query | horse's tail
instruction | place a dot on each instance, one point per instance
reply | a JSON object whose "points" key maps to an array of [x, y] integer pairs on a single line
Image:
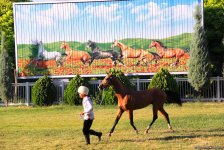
{"points": [[173, 97]]}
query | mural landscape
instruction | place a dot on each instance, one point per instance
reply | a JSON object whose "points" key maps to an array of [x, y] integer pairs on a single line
{"points": [[62, 39]]}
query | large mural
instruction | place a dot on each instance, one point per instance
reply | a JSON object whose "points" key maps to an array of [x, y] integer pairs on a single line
{"points": [[62, 39]]}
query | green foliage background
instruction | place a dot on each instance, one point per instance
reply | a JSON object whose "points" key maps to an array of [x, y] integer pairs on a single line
{"points": [[214, 26], [108, 95], [5, 73], [43, 92], [71, 95], [199, 68], [165, 81]]}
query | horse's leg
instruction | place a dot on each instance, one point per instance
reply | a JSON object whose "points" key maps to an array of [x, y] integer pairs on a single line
{"points": [[119, 59], [120, 112], [176, 62], [165, 114], [91, 61], [83, 61], [130, 112], [145, 61], [138, 63], [114, 61], [155, 116]]}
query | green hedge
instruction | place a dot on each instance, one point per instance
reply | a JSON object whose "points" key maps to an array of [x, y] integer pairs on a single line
{"points": [[165, 81], [108, 95], [71, 95], [43, 92]]}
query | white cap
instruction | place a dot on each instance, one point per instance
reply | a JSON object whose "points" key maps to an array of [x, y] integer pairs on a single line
{"points": [[83, 90]]}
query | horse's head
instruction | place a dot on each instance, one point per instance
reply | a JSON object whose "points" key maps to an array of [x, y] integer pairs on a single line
{"points": [[64, 45], [153, 44], [91, 44], [106, 82], [114, 43]]}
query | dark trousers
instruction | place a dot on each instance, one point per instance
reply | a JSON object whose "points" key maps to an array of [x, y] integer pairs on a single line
{"points": [[87, 131]]}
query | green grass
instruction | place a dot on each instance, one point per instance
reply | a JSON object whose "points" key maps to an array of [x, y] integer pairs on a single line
{"points": [[196, 125]]}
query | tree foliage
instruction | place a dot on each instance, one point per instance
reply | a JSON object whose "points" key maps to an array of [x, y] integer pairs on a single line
{"points": [[124, 79], [107, 96], [214, 25], [71, 95], [199, 68], [43, 92], [165, 81], [5, 73], [7, 25]]}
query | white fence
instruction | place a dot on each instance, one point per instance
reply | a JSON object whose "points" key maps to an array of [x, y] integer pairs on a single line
{"points": [[215, 92]]}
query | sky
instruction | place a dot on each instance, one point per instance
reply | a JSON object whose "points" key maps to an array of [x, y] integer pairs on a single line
{"points": [[52, 21]]}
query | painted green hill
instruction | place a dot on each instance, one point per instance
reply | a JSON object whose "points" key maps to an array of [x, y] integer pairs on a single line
{"points": [[179, 41]]}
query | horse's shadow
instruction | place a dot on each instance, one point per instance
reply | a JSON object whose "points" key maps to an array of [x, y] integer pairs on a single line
{"points": [[189, 135]]}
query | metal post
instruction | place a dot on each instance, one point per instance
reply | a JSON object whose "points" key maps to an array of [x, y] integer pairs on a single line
{"points": [[138, 83], [218, 89], [27, 94], [62, 92]]}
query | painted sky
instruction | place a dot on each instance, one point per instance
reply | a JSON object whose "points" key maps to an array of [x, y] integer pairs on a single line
{"points": [[102, 21]]}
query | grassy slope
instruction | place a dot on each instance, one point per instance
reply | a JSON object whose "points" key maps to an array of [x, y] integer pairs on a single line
{"points": [[59, 127]]}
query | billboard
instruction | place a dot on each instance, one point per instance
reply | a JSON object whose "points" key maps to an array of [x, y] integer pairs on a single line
{"points": [[63, 39]]}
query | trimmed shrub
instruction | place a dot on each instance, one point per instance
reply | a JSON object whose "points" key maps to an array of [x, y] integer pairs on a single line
{"points": [[43, 92], [108, 95], [71, 95], [124, 79], [165, 81]]}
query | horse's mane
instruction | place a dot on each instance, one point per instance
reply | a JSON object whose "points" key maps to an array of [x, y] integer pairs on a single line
{"points": [[161, 44], [127, 89], [93, 46]]}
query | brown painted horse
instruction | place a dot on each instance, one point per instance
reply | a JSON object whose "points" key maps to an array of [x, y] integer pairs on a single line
{"points": [[167, 52], [127, 52], [75, 55], [130, 100]]}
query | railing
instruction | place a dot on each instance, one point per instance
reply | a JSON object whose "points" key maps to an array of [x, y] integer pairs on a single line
{"points": [[215, 92]]}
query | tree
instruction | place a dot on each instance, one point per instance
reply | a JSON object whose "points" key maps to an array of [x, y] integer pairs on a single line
{"points": [[199, 68], [7, 25], [165, 81], [71, 95], [43, 92], [214, 26], [5, 74]]}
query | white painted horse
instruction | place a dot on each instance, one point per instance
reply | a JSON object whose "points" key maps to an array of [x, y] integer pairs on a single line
{"points": [[45, 55]]}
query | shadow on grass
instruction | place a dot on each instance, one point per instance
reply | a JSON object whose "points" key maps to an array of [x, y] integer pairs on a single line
{"points": [[187, 135]]}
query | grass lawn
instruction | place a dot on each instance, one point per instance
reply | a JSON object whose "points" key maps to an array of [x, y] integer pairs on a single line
{"points": [[196, 125]]}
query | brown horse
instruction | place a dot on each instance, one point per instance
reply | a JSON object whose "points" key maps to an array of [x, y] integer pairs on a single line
{"points": [[130, 100], [167, 52], [73, 54], [127, 52]]}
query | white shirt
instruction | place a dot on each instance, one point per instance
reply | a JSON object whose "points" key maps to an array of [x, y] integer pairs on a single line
{"points": [[88, 108]]}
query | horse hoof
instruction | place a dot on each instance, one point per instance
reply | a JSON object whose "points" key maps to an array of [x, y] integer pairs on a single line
{"points": [[146, 131], [109, 134]]}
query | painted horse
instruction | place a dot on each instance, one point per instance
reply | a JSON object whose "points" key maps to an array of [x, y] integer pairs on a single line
{"points": [[167, 52], [130, 100], [45, 55], [100, 54], [83, 56], [127, 52]]}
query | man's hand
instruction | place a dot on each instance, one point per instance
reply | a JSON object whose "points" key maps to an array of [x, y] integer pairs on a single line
{"points": [[82, 113]]}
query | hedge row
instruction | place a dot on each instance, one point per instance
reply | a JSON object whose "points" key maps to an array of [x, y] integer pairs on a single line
{"points": [[44, 91]]}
